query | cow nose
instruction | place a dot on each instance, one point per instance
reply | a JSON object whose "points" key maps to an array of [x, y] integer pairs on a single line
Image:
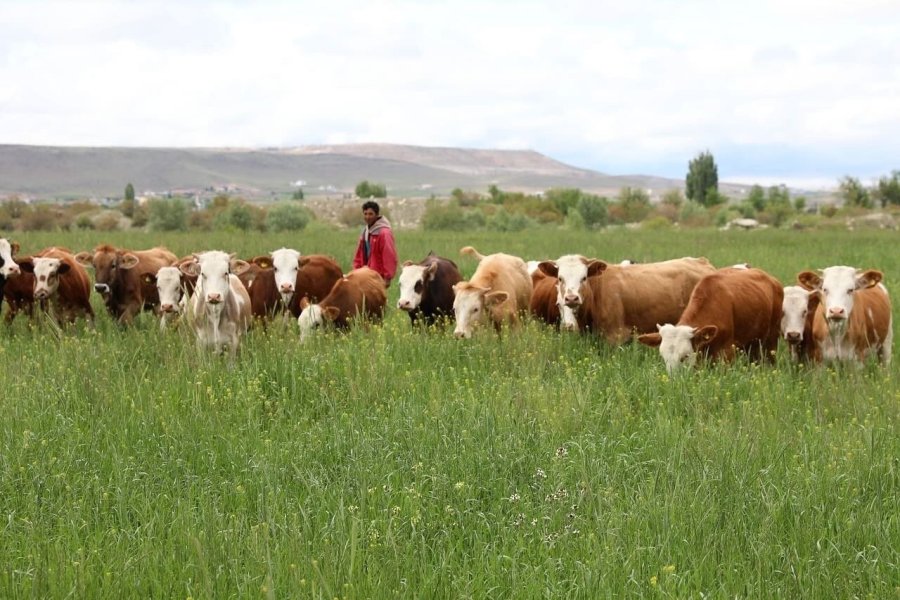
{"points": [[286, 288], [214, 298], [793, 336], [836, 312], [165, 308], [41, 294], [569, 327], [459, 335], [572, 300], [101, 288], [14, 270], [403, 304]]}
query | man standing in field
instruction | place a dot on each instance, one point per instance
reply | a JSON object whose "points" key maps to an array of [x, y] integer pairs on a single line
{"points": [[376, 248]]}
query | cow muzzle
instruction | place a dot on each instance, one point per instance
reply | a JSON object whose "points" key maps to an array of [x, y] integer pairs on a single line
{"points": [[167, 308], [793, 337], [462, 335], [101, 288], [404, 305], [214, 299], [837, 313], [42, 294], [12, 271], [572, 301]]}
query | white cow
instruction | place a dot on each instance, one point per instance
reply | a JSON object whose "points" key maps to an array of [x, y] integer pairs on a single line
{"points": [[173, 295], [220, 306], [857, 312], [8, 267], [286, 263]]}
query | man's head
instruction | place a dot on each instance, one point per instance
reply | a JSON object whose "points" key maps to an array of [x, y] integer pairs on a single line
{"points": [[371, 211]]}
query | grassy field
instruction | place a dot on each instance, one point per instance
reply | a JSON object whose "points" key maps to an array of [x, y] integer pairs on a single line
{"points": [[393, 462]]}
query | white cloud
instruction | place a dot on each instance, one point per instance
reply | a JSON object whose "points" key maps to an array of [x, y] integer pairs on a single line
{"points": [[619, 88]]}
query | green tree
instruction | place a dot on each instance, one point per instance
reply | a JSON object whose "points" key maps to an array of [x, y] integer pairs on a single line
{"points": [[287, 217], [127, 205], [167, 214], [635, 204], [563, 199], [594, 211], [495, 193], [853, 193], [298, 194], [365, 189], [757, 198], [888, 189], [703, 176]]}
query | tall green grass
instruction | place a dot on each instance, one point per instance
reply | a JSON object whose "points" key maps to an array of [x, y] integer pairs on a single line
{"points": [[399, 462]]}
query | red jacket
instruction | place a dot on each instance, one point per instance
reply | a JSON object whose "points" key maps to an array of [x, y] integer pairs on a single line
{"points": [[382, 256]]}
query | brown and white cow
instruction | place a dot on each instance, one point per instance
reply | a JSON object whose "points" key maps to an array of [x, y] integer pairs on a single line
{"points": [[426, 289], [498, 292], [220, 306], [284, 277], [544, 304], [614, 301], [60, 283], [8, 266], [173, 292], [360, 292], [800, 310], [120, 278], [857, 311], [731, 310]]}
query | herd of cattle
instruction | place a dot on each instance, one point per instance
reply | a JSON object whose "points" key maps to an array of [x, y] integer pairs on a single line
{"points": [[685, 307]]}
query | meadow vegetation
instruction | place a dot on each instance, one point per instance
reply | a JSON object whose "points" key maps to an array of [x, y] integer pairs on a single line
{"points": [[398, 462]]}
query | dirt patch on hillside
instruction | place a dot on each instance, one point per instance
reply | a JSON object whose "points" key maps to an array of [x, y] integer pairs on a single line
{"points": [[404, 213]]}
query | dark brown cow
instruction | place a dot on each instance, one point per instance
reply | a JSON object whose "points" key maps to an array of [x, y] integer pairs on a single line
{"points": [[544, 305], [61, 283], [361, 291], [730, 310], [119, 277], [426, 289]]}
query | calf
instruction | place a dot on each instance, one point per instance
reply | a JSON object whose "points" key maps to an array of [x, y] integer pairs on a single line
{"points": [[857, 311], [499, 290], [360, 292], [799, 312], [119, 278], [613, 301], [730, 310], [173, 294], [426, 289], [220, 306], [60, 283]]}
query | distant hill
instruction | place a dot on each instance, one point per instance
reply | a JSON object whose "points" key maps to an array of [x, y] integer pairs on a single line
{"points": [[410, 171]]}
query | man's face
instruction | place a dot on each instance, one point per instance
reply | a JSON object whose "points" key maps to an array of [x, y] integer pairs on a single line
{"points": [[370, 216]]}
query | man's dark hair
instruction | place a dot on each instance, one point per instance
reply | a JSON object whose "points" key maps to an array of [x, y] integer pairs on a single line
{"points": [[373, 205]]}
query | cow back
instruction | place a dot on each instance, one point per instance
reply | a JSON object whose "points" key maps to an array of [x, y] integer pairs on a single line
{"points": [[315, 278], [361, 290], [260, 286], [505, 273], [437, 295]]}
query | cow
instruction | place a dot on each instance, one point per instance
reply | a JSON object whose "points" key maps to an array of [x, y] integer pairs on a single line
{"points": [[284, 277], [60, 284], [613, 301], [360, 292], [730, 310], [426, 289], [544, 304], [119, 278], [8, 266], [799, 312], [220, 306], [173, 294], [499, 290], [857, 311]]}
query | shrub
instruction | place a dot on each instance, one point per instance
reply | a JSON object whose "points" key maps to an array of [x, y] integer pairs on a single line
{"points": [[656, 223], [84, 221], [40, 218], [108, 221], [287, 217], [594, 211], [167, 215], [503, 220]]}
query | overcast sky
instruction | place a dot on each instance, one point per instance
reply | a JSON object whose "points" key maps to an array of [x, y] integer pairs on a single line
{"points": [[779, 91]]}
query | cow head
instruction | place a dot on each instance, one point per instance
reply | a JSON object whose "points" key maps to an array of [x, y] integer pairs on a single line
{"points": [[168, 283], [313, 317], [214, 269], [413, 281], [471, 304], [679, 344], [107, 262], [572, 271], [798, 303], [46, 273], [8, 267], [837, 286], [286, 263]]}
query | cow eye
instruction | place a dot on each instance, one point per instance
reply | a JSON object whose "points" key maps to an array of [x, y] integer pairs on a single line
{"points": [[475, 310], [850, 291]]}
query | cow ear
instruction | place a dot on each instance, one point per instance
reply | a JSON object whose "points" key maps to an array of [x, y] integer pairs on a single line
{"points": [[129, 261], [85, 259], [263, 262], [809, 280], [868, 279], [304, 303], [190, 268], [303, 261], [331, 313], [493, 298], [548, 267], [149, 278], [430, 270], [704, 335], [13, 248], [408, 263], [63, 268], [238, 266], [596, 267], [26, 266], [650, 339]]}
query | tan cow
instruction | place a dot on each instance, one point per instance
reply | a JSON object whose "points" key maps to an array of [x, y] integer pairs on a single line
{"points": [[614, 301], [734, 309], [360, 292], [219, 310], [120, 278], [498, 292], [857, 319]]}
